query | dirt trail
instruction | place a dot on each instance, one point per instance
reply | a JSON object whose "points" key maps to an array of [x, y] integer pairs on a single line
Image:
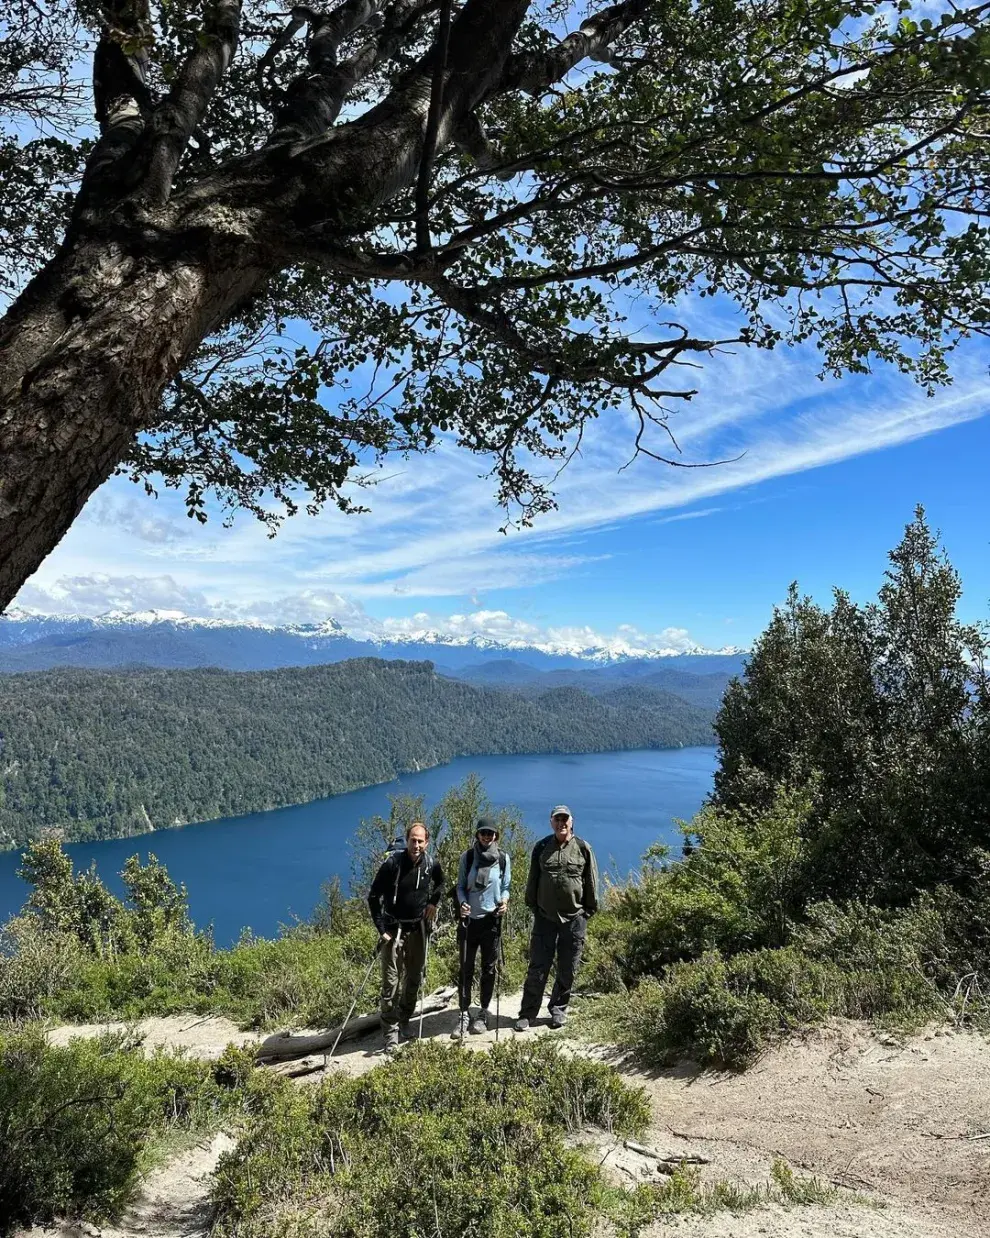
{"points": [[890, 1124], [172, 1202]]}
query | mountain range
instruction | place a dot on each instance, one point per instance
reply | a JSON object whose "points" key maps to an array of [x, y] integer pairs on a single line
{"points": [[171, 640]]}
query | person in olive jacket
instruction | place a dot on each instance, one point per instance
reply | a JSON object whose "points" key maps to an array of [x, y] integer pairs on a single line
{"points": [[562, 892]]}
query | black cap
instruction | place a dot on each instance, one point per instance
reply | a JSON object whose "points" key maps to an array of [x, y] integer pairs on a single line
{"points": [[486, 823]]}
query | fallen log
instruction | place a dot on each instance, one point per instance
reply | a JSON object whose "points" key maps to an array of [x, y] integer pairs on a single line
{"points": [[284, 1046]]}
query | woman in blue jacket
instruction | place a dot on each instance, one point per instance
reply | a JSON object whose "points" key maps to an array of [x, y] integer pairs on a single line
{"points": [[483, 879]]}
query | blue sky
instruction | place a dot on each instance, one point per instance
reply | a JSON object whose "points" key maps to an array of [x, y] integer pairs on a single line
{"points": [[646, 557]]}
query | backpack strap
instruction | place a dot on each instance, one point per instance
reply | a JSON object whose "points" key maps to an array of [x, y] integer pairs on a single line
{"points": [[396, 860]]}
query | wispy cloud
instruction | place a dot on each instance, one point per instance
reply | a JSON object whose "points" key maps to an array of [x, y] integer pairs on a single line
{"points": [[434, 531]]}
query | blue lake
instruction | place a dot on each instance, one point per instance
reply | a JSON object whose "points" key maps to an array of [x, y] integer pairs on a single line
{"points": [[264, 869]]}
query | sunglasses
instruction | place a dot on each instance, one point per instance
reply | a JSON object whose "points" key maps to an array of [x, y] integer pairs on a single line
{"points": [[486, 833]]}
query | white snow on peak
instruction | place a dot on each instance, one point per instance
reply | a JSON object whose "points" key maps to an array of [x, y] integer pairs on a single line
{"points": [[603, 650]]}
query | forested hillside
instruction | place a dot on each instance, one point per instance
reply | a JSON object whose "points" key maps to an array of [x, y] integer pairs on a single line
{"points": [[96, 754], [638, 676]]}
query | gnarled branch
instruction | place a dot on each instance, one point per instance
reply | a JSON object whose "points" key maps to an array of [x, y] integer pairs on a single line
{"points": [[175, 119], [314, 98], [533, 73], [121, 95]]}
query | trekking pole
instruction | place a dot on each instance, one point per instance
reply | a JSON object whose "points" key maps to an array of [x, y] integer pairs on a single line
{"points": [[422, 983], [357, 998], [498, 977], [462, 961]]}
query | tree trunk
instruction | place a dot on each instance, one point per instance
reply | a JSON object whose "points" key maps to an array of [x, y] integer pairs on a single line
{"points": [[85, 355]]}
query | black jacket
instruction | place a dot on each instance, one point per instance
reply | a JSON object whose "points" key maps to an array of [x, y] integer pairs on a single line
{"points": [[402, 890]]}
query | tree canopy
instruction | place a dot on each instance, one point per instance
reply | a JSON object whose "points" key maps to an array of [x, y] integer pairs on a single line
{"points": [[879, 713], [262, 250]]}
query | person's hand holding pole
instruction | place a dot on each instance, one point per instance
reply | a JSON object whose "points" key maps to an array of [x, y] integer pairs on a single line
{"points": [[465, 910], [503, 906], [430, 914]]}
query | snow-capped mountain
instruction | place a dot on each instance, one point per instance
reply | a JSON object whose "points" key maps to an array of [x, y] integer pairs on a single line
{"points": [[30, 641]]}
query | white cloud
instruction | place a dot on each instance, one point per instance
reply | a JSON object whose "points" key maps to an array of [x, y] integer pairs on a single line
{"points": [[98, 593], [500, 626], [128, 515]]}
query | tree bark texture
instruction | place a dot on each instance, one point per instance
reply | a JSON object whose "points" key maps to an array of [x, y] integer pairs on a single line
{"points": [[85, 358]]}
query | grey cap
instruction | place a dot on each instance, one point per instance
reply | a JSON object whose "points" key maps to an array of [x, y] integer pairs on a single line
{"points": [[560, 810]]}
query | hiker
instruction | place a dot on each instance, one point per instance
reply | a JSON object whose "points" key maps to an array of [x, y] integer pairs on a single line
{"points": [[484, 875], [403, 900], [562, 892]]}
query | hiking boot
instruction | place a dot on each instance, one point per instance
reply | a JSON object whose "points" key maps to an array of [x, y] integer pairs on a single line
{"points": [[558, 1018], [521, 1025], [463, 1024], [392, 1040], [406, 1031], [480, 1025]]}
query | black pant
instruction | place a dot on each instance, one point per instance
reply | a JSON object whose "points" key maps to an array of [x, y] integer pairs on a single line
{"points": [[550, 938], [471, 935]]}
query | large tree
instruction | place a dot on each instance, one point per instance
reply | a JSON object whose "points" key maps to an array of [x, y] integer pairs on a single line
{"points": [[462, 201]]}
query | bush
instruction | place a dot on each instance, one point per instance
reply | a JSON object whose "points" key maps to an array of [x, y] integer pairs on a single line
{"points": [[78, 1122], [727, 1011], [737, 888], [36, 965], [386, 1155]]}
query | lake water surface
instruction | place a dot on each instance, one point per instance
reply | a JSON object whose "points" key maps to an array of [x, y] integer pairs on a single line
{"points": [[263, 869]]}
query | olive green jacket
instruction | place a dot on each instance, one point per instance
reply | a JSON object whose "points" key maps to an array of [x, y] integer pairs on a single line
{"points": [[563, 880]]}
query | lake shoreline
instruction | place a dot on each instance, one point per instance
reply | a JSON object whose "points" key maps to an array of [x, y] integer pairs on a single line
{"points": [[56, 831], [266, 869]]}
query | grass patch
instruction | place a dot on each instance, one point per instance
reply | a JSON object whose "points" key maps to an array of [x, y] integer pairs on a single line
{"points": [[685, 1194]]}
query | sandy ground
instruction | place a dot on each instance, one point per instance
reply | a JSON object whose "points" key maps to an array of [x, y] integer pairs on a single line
{"points": [[204, 1038], [890, 1124]]}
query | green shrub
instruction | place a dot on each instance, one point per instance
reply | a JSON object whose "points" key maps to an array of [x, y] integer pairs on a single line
{"points": [[477, 1140], [726, 1011], [36, 965], [737, 888], [78, 1122]]}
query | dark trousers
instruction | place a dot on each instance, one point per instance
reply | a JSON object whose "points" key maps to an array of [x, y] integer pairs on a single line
{"points": [[550, 939], [473, 935]]}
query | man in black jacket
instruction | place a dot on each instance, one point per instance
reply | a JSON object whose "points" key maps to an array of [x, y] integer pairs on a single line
{"points": [[403, 900]]}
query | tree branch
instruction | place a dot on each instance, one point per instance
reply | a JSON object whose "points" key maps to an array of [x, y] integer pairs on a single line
{"points": [[314, 98], [121, 96], [432, 126], [175, 119], [533, 73], [550, 360]]}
